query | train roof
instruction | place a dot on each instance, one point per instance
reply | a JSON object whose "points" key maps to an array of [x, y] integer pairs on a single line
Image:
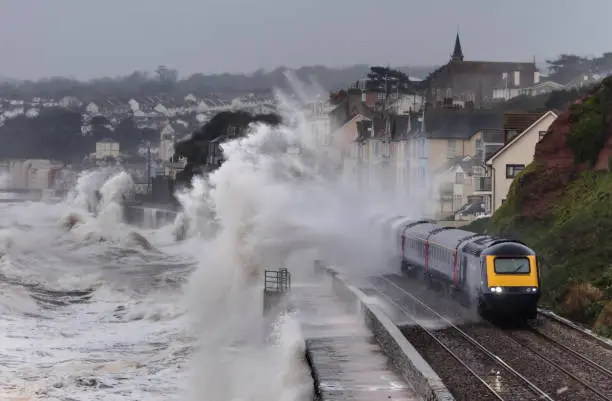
{"points": [[451, 237], [489, 245], [422, 230], [406, 222], [507, 247]]}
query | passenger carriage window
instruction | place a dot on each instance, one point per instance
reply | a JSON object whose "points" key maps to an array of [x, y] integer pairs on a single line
{"points": [[512, 266]]}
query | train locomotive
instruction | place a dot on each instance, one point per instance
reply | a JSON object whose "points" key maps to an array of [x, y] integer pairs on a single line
{"points": [[500, 276]]}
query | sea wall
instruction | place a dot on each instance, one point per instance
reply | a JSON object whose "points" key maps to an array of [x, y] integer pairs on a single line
{"points": [[402, 354], [148, 216]]}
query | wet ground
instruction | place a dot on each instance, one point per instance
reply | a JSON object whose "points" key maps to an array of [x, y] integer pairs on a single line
{"points": [[349, 362]]}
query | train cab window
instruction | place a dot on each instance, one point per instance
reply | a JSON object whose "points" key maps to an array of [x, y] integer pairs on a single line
{"points": [[512, 266]]}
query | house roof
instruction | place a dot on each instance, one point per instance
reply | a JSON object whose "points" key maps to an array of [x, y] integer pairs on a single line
{"points": [[348, 137], [459, 124], [519, 136], [551, 84], [487, 68], [465, 162], [492, 135], [519, 121]]}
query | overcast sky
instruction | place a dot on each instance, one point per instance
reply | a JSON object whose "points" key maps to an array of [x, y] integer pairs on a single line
{"points": [[87, 38]]}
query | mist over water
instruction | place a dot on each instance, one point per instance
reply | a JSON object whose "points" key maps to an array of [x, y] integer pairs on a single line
{"points": [[90, 312]]}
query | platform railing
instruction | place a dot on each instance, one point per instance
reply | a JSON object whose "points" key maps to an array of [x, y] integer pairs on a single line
{"points": [[277, 280]]}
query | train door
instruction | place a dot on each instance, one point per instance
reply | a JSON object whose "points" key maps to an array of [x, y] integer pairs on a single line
{"points": [[463, 261]]}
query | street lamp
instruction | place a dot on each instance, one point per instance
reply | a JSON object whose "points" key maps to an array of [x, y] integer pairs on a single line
{"points": [[148, 145]]}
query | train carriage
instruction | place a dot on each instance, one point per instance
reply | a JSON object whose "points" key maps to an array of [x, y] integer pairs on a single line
{"points": [[413, 239], [446, 264]]}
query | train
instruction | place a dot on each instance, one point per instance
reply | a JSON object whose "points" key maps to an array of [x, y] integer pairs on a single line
{"points": [[499, 276]]}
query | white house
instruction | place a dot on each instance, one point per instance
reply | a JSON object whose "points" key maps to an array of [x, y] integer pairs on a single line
{"points": [[92, 109], [166, 145], [511, 159], [107, 148], [542, 88], [317, 117]]}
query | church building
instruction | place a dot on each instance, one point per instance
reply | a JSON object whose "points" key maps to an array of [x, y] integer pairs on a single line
{"points": [[475, 83]]}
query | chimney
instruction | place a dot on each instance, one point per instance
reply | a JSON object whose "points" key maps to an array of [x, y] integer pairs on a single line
{"points": [[517, 78], [536, 77]]}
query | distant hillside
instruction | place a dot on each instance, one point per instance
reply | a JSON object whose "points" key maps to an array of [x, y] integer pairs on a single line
{"points": [[165, 81]]}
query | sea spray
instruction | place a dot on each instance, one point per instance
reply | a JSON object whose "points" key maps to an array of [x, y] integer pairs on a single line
{"points": [[276, 194]]}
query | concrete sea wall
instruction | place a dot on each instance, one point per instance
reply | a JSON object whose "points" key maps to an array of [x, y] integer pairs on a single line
{"points": [[402, 354], [148, 216]]}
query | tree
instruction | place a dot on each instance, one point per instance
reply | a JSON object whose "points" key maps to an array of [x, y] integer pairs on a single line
{"points": [[166, 81], [387, 80], [54, 134], [195, 149], [567, 67]]}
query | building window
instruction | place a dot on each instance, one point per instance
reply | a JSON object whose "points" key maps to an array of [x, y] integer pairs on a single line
{"points": [[541, 133], [512, 170], [380, 96], [459, 178]]}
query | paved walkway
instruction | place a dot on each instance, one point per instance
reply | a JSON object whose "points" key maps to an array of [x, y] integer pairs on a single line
{"points": [[349, 362]]}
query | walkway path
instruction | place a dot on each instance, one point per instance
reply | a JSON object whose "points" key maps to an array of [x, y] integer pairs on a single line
{"points": [[348, 360]]}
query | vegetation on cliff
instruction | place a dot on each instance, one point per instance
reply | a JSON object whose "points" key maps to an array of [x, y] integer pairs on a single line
{"points": [[561, 206]]}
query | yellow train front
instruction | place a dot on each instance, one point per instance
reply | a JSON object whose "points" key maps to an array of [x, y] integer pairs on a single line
{"points": [[510, 284]]}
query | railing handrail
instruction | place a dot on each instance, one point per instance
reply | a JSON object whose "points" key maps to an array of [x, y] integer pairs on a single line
{"points": [[277, 280]]}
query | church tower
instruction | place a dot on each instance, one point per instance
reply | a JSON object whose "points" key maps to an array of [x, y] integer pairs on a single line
{"points": [[457, 55]]}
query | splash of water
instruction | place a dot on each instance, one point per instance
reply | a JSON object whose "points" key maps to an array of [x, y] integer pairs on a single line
{"points": [[5, 180], [83, 195], [276, 194]]}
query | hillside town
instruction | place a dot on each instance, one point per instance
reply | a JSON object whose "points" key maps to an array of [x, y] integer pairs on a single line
{"points": [[446, 132]]}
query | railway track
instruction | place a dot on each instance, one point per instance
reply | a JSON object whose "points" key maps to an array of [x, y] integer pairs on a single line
{"points": [[575, 337], [479, 371], [490, 361], [597, 377]]}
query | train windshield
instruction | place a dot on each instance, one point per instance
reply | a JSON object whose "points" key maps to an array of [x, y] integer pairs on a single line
{"points": [[512, 265]]}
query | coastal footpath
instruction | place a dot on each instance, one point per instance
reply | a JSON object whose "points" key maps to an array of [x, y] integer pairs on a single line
{"points": [[561, 206]]}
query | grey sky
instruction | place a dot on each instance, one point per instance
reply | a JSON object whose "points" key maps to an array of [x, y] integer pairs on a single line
{"points": [[87, 38]]}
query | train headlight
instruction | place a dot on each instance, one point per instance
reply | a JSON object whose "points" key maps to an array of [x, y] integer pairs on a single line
{"points": [[496, 289]]}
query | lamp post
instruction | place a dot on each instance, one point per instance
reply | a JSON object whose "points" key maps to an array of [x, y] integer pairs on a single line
{"points": [[148, 145]]}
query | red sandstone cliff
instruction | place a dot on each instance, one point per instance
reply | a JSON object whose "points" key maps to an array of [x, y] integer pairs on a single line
{"points": [[554, 164]]}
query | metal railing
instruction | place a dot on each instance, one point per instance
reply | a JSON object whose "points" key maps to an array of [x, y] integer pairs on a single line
{"points": [[277, 280]]}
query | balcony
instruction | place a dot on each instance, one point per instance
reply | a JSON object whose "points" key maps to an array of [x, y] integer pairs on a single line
{"points": [[483, 184]]}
